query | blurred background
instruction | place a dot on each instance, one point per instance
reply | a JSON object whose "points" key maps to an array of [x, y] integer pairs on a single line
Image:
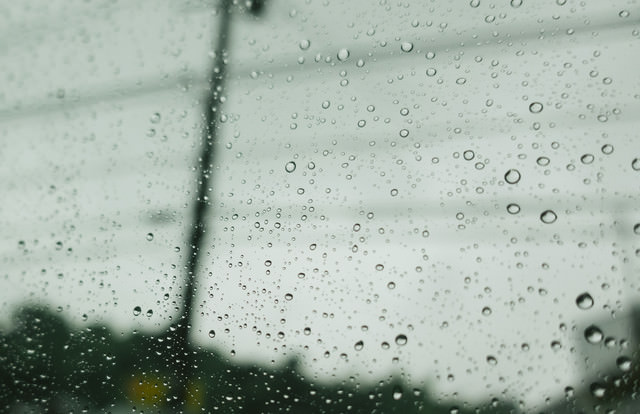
{"points": [[320, 206]]}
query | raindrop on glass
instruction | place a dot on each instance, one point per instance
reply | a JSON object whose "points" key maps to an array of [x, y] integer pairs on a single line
{"points": [[212, 334], [406, 46], [593, 334], [401, 340], [535, 107], [584, 301], [304, 44], [513, 208], [512, 176], [137, 311], [343, 54], [548, 216], [290, 167], [624, 363]]}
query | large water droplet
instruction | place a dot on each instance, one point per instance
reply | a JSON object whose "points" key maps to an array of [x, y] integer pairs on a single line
{"points": [[137, 311], [593, 334], [535, 107], [358, 346], [290, 167], [491, 360], [512, 176], [584, 301], [548, 216], [212, 334]]}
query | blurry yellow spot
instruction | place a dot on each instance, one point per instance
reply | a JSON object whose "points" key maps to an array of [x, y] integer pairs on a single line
{"points": [[146, 390]]}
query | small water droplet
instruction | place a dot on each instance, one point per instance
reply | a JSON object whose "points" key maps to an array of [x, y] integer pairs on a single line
{"points": [[401, 340], [543, 161], [635, 164], [358, 346], [155, 118], [149, 236], [512, 176], [397, 393], [593, 334], [288, 296], [474, 3], [636, 229], [597, 390], [431, 72], [343, 54], [137, 311], [468, 155], [513, 208], [394, 192], [535, 107], [212, 334], [587, 158], [486, 311], [304, 44], [548, 216], [149, 313], [516, 3], [584, 301], [379, 267], [607, 149], [290, 167], [406, 46], [391, 285], [491, 360], [624, 363]]}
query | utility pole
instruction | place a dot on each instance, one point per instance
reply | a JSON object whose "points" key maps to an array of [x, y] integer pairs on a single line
{"points": [[182, 356]]}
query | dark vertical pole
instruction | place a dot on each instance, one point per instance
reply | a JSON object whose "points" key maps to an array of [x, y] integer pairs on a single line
{"points": [[182, 356]]}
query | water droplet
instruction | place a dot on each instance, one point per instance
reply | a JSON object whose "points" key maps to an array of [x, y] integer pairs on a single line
{"points": [[597, 390], [636, 229], [624, 363], [607, 149], [155, 118], [535, 107], [474, 3], [212, 334], [379, 267], [288, 296], [587, 158], [397, 393], [491, 360], [149, 313], [343, 54], [401, 340], [290, 167], [406, 46], [468, 155], [391, 285], [512, 176], [584, 301], [307, 331], [149, 236], [486, 311], [394, 192], [137, 311], [593, 334], [304, 44], [431, 72], [516, 3], [358, 346], [556, 345], [635, 164], [513, 208], [543, 161], [548, 216], [301, 275]]}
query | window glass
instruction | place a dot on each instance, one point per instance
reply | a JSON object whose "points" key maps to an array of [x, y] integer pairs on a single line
{"points": [[408, 206]]}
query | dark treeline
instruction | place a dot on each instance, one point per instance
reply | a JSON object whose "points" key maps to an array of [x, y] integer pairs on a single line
{"points": [[46, 366]]}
